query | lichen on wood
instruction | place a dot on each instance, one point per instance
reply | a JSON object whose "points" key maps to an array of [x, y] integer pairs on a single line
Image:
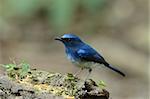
{"points": [[37, 84]]}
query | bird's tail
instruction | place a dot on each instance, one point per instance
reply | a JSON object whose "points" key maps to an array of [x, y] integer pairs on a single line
{"points": [[114, 69]]}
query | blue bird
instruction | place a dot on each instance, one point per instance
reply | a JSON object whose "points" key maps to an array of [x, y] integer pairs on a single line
{"points": [[83, 55]]}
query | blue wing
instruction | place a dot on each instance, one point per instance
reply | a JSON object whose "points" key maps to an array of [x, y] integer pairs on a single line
{"points": [[86, 53]]}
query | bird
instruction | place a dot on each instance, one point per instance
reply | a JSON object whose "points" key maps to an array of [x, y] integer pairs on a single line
{"points": [[83, 55]]}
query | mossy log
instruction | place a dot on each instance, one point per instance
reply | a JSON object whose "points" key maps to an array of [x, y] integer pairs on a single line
{"points": [[44, 85]]}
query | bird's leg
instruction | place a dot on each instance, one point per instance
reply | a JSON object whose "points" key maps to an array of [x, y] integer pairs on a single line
{"points": [[78, 72], [90, 70], [82, 84]]}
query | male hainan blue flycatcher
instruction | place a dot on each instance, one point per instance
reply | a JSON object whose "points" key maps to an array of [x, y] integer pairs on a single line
{"points": [[83, 55]]}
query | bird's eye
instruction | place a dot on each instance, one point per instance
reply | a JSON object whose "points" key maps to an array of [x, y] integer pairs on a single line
{"points": [[68, 39]]}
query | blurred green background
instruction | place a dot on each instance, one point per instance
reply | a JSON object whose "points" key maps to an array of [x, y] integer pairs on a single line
{"points": [[116, 28]]}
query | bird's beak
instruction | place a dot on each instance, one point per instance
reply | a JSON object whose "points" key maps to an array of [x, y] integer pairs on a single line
{"points": [[59, 39]]}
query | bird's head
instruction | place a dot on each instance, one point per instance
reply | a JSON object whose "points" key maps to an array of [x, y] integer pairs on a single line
{"points": [[70, 40]]}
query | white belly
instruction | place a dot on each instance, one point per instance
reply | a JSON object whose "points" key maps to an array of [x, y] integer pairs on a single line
{"points": [[86, 65], [79, 63]]}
